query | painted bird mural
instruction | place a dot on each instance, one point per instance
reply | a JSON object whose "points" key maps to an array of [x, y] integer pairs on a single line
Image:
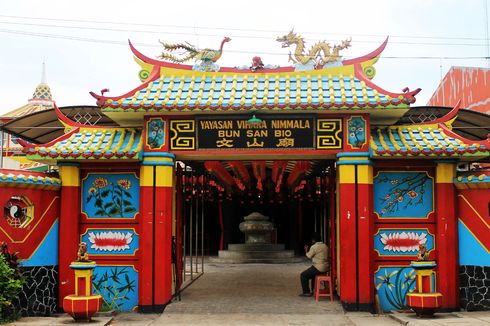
{"points": [[191, 52]]}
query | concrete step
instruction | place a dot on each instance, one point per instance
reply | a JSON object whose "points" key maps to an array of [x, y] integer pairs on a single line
{"points": [[256, 254], [255, 246], [218, 260]]}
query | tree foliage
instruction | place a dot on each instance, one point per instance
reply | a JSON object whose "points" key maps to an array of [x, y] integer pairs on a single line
{"points": [[10, 286]]}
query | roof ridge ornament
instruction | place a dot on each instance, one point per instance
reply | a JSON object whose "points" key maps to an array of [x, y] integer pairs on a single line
{"points": [[205, 58], [448, 119], [319, 56]]}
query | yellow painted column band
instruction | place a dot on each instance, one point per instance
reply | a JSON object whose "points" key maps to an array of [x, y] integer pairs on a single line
{"points": [[164, 176], [346, 173], [445, 172], [163, 166], [146, 176], [70, 176], [365, 174], [346, 167]]}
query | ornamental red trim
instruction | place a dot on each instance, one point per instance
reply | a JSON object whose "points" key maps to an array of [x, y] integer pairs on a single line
{"points": [[359, 73], [368, 56], [101, 100]]}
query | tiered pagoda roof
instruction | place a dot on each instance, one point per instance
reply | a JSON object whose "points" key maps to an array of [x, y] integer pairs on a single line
{"points": [[28, 179], [89, 144], [425, 140], [176, 88], [477, 180], [433, 139], [83, 142]]}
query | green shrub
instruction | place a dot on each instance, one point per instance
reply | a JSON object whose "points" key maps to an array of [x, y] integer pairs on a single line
{"points": [[10, 286]]}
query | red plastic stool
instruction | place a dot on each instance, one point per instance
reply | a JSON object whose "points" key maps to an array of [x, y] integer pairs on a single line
{"points": [[327, 283]]}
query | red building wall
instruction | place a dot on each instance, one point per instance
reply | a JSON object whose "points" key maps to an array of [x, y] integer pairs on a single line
{"points": [[471, 85], [29, 225], [473, 219]]}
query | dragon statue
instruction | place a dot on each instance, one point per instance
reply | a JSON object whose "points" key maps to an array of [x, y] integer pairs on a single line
{"points": [[320, 53], [191, 52]]}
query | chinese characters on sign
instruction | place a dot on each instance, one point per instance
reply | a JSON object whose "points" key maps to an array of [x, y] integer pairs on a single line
{"points": [[268, 132]]}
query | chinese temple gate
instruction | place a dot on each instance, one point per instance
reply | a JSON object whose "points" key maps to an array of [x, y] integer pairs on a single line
{"points": [[318, 139]]}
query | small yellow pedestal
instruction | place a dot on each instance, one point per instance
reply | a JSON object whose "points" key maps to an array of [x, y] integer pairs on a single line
{"points": [[424, 301], [83, 304]]}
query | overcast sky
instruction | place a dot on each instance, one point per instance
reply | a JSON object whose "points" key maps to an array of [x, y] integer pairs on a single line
{"points": [[84, 43]]}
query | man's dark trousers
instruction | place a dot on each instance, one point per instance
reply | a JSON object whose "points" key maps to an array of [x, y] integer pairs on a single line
{"points": [[308, 275]]}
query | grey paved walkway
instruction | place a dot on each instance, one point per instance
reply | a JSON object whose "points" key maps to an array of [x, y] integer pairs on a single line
{"points": [[251, 294], [61, 320], [259, 294], [454, 319]]}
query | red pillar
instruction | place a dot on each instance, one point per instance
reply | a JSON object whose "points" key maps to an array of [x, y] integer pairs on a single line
{"points": [[145, 284], [69, 226], [447, 236], [163, 234], [156, 192], [355, 238], [365, 235]]}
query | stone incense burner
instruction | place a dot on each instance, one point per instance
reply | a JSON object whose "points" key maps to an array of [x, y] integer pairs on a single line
{"points": [[257, 228]]}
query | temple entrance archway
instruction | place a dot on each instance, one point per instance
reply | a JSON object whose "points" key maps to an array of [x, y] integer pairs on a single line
{"points": [[212, 197]]}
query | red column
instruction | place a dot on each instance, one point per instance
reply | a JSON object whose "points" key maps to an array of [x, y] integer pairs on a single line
{"points": [[69, 226], [155, 277], [346, 243], [145, 284], [355, 237], [163, 235], [365, 227], [447, 236]]}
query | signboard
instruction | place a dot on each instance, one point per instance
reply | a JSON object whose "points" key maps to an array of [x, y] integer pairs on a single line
{"points": [[271, 132], [280, 132]]}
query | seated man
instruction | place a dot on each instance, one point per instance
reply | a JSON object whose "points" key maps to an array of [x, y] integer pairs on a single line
{"points": [[318, 253]]}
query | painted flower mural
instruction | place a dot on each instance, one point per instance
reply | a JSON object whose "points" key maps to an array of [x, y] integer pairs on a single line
{"points": [[110, 241], [393, 284], [124, 183], [357, 131], [107, 242], [403, 241], [155, 133], [118, 286], [403, 194], [111, 195]]}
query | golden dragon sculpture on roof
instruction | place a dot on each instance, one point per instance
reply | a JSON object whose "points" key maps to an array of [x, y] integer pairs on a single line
{"points": [[320, 54]]}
